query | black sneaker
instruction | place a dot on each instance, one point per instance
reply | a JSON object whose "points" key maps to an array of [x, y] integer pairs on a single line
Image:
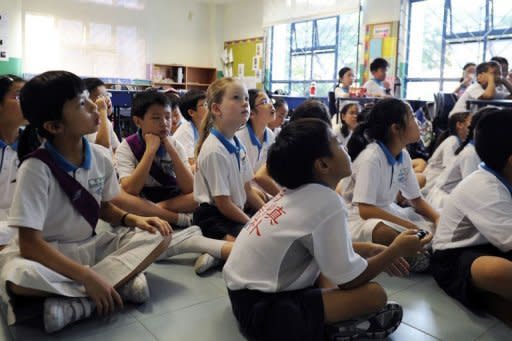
{"points": [[378, 325]]}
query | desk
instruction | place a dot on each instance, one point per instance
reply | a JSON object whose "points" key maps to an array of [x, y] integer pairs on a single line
{"points": [[502, 103]]}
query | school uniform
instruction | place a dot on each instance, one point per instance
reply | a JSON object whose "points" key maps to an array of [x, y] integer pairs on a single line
{"points": [[114, 141], [375, 88], [41, 204], [223, 168], [187, 135], [443, 157], [277, 257], [476, 221], [474, 91], [465, 163], [341, 92], [155, 191], [256, 151], [8, 168], [376, 179], [337, 131]]}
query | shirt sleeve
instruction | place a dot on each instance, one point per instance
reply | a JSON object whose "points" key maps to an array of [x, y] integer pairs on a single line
{"points": [[184, 136], [475, 91], [213, 168], [469, 164], [368, 181], [114, 141], [111, 186], [333, 251], [409, 186], [124, 160], [30, 203], [181, 153], [493, 218]]}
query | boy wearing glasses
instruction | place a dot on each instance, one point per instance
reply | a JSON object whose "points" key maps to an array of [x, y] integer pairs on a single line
{"points": [[193, 107], [105, 136]]}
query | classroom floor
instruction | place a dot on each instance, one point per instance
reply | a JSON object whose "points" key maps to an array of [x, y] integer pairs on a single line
{"points": [[187, 307]]}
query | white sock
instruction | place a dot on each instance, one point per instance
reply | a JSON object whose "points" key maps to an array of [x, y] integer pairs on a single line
{"points": [[184, 219], [189, 240]]}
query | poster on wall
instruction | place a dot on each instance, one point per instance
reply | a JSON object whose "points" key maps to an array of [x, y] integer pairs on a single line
{"points": [[3, 37]]}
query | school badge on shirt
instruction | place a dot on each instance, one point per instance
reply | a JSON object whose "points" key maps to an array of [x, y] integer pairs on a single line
{"points": [[96, 185], [402, 175]]}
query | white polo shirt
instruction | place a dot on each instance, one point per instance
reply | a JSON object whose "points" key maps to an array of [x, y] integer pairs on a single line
{"points": [[114, 141], [8, 168], [292, 238], [187, 135], [221, 172], [40, 203], [256, 151], [478, 211], [337, 131], [374, 88], [443, 156], [474, 91], [126, 162], [464, 164], [377, 177]]}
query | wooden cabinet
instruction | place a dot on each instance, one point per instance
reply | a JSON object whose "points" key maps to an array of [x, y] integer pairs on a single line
{"points": [[181, 76]]}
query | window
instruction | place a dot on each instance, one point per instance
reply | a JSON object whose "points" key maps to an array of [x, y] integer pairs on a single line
{"points": [[312, 50], [443, 35]]}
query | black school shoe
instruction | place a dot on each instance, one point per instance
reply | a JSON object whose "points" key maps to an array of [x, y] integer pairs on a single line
{"points": [[378, 325]]}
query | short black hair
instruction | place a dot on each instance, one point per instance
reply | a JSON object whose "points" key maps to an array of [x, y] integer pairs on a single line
{"points": [[312, 108], [467, 65], [143, 100], [189, 102], [92, 83], [6, 81], [291, 158], [485, 66], [499, 60], [279, 102], [174, 99], [492, 138], [378, 63]]}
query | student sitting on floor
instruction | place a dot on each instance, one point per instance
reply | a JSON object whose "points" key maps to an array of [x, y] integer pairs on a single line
{"points": [[349, 121], [293, 270], [472, 260], [11, 119], [105, 135], [63, 188], [222, 182], [153, 165], [382, 168], [310, 108], [466, 162], [448, 142], [255, 135], [193, 107], [281, 108]]}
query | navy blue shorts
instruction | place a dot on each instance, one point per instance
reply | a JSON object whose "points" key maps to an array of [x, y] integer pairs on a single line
{"points": [[214, 224], [452, 272], [288, 315]]}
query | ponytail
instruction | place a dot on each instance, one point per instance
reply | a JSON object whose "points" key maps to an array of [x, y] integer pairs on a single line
{"points": [[28, 141], [358, 141], [204, 131]]}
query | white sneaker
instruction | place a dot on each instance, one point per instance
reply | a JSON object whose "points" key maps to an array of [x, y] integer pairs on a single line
{"points": [[205, 262], [59, 312], [135, 290], [178, 238]]}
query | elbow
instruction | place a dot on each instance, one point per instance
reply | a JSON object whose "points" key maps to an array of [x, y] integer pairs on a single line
{"points": [[128, 188], [364, 211]]}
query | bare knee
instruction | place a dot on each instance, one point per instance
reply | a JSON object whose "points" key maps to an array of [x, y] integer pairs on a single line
{"points": [[377, 295], [383, 234], [487, 272]]}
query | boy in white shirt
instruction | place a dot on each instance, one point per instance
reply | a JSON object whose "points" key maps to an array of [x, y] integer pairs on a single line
{"points": [[105, 135], [152, 164], [378, 86], [193, 107], [472, 259], [284, 257], [488, 76]]}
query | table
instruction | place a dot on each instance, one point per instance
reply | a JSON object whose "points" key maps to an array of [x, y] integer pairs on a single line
{"points": [[502, 103]]}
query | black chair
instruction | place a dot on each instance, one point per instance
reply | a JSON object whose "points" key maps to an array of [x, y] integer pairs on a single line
{"points": [[332, 103], [443, 104]]}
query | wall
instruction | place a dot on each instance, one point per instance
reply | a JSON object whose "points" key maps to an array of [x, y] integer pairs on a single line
{"points": [[243, 19], [12, 8]]}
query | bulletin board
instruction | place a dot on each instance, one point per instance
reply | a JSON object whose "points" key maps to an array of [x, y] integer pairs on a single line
{"points": [[381, 40], [244, 59]]}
